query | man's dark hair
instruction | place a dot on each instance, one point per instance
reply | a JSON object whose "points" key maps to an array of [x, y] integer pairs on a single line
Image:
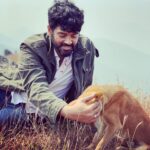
{"points": [[66, 15]]}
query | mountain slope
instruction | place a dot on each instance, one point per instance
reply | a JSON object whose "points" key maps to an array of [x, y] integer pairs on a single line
{"points": [[121, 63]]}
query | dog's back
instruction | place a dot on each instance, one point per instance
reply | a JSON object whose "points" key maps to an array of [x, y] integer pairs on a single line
{"points": [[137, 121]]}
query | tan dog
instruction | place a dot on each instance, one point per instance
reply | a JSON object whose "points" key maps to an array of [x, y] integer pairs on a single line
{"points": [[120, 110]]}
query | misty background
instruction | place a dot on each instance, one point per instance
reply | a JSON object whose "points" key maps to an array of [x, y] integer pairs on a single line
{"points": [[120, 29]]}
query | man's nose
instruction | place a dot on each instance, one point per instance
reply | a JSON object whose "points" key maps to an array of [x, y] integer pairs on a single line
{"points": [[68, 41]]}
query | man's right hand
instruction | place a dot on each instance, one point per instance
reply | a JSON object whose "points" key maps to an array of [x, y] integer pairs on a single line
{"points": [[80, 111]]}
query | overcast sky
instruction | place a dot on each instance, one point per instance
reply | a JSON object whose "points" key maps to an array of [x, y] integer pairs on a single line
{"points": [[126, 22]]}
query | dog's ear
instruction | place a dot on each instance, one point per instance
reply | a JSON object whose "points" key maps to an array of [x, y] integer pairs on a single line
{"points": [[104, 99]]}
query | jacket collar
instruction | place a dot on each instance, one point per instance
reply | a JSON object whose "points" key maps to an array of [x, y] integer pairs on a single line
{"points": [[80, 51], [50, 52]]}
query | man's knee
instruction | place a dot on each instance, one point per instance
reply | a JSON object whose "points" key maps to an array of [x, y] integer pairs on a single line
{"points": [[12, 116]]}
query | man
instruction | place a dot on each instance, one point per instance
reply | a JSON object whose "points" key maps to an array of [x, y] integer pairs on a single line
{"points": [[55, 67]]}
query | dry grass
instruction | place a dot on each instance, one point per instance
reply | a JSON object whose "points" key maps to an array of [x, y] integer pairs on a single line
{"points": [[65, 136]]}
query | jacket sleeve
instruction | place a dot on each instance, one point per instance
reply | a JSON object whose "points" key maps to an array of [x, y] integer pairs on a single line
{"points": [[8, 76], [35, 84]]}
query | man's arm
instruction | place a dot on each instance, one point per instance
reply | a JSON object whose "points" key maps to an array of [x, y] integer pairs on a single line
{"points": [[35, 83]]}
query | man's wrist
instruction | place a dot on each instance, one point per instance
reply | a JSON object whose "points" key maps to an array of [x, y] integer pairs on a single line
{"points": [[64, 112]]}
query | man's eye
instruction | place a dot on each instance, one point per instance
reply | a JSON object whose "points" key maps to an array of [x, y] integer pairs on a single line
{"points": [[62, 36], [74, 36]]}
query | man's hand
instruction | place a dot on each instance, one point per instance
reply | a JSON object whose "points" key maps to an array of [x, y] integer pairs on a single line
{"points": [[80, 111]]}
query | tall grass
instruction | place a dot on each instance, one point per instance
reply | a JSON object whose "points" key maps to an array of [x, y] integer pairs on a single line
{"points": [[66, 135]]}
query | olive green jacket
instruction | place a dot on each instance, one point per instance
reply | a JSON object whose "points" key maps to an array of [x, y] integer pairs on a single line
{"points": [[37, 69]]}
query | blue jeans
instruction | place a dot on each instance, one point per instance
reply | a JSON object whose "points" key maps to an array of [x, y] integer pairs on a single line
{"points": [[11, 116]]}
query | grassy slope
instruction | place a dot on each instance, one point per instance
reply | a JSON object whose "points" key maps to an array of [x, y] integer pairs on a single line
{"points": [[66, 136]]}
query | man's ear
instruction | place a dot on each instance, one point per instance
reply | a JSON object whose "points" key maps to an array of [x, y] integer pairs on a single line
{"points": [[49, 30]]}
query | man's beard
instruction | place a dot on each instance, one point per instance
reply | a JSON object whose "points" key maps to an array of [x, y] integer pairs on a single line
{"points": [[63, 49], [64, 52]]}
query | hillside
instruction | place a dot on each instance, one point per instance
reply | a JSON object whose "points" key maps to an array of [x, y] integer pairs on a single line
{"points": [[121, 63], [7, 43]]}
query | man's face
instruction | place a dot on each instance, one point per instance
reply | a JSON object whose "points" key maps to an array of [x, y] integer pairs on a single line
{"points": [[64, 42]]}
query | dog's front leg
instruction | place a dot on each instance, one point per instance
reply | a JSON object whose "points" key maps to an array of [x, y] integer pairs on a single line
{"points": [[99, 124], [109, 132]]}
